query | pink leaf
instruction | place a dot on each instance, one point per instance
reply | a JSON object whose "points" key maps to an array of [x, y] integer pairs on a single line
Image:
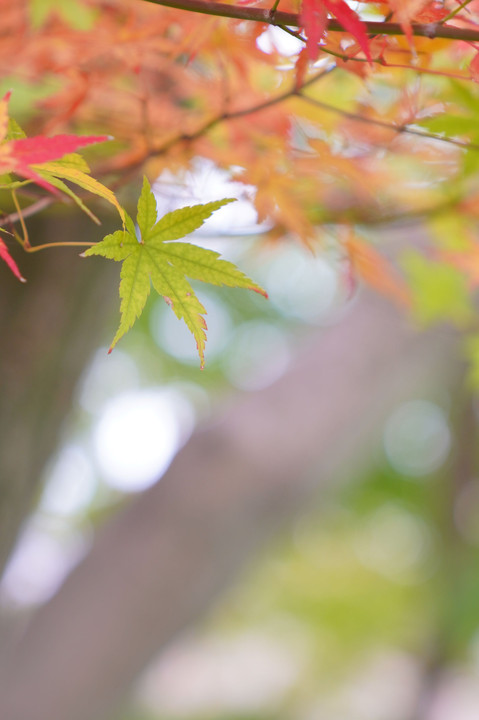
{"points": [[5, 255], [17, 155], [40, 149], [314, 18]]}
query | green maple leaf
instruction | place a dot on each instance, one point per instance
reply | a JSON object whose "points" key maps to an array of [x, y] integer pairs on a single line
{"points": [[155, 259]]}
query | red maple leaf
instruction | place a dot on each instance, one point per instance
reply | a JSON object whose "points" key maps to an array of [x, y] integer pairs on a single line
{"points": [[314, 21], [314, 18], [25, 156], [19, 155]]}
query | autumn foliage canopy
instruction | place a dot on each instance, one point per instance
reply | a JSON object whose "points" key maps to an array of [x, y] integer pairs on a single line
{"points": [[340, 119]]}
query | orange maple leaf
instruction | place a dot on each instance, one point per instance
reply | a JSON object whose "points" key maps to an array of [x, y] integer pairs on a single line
{"points": [[376, 270]]}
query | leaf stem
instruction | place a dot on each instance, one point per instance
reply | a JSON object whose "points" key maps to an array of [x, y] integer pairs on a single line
{"points": [[36, 248], [272, 11], [25, 242]]}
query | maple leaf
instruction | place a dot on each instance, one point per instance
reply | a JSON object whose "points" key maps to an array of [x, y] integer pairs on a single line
{"points": [[408, 11], [27, 157], [156, 259], [48, 161], [376, 270], [73, 167], [314, 21], [314, 18]]}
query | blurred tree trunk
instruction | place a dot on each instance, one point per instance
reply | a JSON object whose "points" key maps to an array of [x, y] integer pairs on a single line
{"points": [[159, 564], [49, 327]]}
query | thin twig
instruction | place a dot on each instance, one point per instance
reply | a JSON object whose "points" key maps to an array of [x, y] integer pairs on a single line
{"points": [[454, 12], [217, 120], [400, 129], [32, 209], [166, 146]]}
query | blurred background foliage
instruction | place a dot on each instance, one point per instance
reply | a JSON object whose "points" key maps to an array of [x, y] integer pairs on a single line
{"points": [[365, 605], [364, 608]]}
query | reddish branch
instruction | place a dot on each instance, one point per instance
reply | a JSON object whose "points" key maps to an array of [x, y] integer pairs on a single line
{"points": [[113, 165]]}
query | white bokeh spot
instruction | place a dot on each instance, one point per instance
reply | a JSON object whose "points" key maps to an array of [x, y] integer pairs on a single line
{"points": [[137, 435], [417, 438]]}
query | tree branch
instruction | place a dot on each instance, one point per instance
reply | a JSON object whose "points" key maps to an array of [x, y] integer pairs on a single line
{"points": [[32, 209], [399, 129], [278, 18]]}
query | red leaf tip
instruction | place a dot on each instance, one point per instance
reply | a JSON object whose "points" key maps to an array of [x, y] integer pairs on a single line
{"points": [[260, 291], [7, 258]]}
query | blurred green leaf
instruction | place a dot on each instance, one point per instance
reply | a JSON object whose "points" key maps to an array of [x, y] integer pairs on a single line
{"points": [[439, 291]]}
